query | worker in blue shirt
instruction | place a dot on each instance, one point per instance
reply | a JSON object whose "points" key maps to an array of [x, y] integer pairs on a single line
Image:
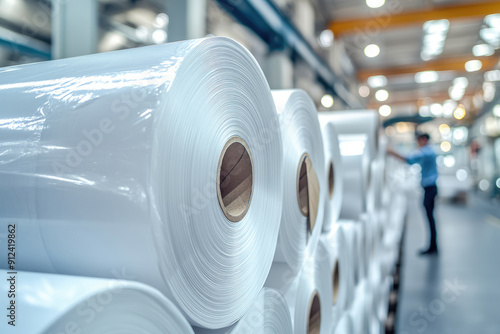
{"points": [[426, 158]]}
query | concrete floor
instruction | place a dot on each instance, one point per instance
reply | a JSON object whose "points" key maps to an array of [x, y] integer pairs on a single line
{"points": [[459, 290]]}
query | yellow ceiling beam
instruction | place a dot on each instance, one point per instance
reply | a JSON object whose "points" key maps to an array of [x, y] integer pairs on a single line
{"points": [[444, 64], [392, 16]]}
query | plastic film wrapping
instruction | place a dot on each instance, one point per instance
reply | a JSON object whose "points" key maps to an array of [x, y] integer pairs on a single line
{"points": [[355, 122], [356, 167], [308, 293], [350, 231], [358, 310], [269, 314], [303, 174], [48, 303], [333, 172], [124, 161], [337, 248], [345, 325]]}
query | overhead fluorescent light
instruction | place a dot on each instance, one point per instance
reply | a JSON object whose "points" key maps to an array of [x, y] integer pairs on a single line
{"points": [[327, 101], [375, 3], [482, 50], [493, 75], [473, 65], [424, 111], [372, 50], [384, 110], [461, 82], [434, 38], [382, 95], [426, 77], [377, 81], [436, 26], [325, 38]]}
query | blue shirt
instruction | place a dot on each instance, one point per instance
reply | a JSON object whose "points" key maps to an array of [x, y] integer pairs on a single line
{"points": [[426, 158]]}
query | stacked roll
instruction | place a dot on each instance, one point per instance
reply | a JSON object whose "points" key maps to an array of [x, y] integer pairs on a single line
{"points": [[353, 122], [268, 315], [336, 246], [304, 190], [167, 167], [308, 294], [334, 172], [345, 325], [48, 303]]}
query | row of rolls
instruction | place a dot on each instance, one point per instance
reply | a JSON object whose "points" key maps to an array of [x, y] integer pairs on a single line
{"points": [[167, 189]]}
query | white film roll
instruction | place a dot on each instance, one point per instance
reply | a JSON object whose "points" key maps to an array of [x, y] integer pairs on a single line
{"points": [[308, 294], [356, 173], [48, 303], [333, 172], [269, 314], [355, 122], [350, 231], [358, 310], [345, 325], [362, 249], [163, 162], [337, 247], [303, 172]]}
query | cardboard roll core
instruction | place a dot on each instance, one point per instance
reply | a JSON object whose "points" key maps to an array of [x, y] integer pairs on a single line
{"points": [[235, 179], [331, 179], [303, 194], [314, 320], [307, 190], [335, 282]]}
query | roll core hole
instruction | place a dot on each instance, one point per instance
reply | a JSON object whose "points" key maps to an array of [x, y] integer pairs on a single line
{"points": [[235, 179], [335, 282], [303, 194], [331, 179], [314, 321]]}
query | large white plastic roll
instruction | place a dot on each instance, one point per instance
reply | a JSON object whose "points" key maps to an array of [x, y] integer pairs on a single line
{"points": [[360, 318], [356, 173], [345, 325], [308, 294], [163, 162], [303, 173], [48, 303], [333, 172], [350, 231], [269, 314], [355, 122], [337, 247]]}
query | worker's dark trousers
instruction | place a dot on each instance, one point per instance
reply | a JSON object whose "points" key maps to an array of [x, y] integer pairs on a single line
{"points": [[430, 194]]}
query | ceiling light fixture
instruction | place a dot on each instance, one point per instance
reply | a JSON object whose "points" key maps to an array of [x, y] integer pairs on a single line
{"points": [[436, 110], [382, 95], [325, 39], [445, 146], [434, 38], [377, 81], [384, 110], [482, 50], [426, 77], [493, 75], [375, 3], [159, 36], [473, 65], [372, 50], [327, 101], [460, 112], [496, 110]]}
